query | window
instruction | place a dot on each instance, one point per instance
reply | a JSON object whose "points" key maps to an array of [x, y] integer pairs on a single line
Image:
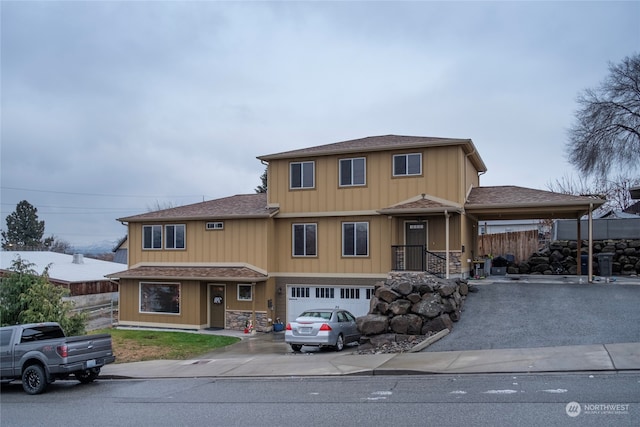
{"points": [[407, 164], [299, 292], [350, 293], [304, 240], [355, 239], [174, 236], [301, 175], [38, 333], [215, 225], [352, 172], [160, 298], [325, 293], [244, 293], [152, 237]]}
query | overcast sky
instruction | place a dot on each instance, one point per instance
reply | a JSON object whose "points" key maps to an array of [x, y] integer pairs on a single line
{"points": [[111, 108]]}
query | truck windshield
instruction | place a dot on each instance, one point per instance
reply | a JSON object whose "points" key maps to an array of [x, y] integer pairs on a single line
{"points": [[38, 333]]}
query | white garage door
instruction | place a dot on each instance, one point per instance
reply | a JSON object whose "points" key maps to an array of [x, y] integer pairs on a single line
{"points": [[304, 297]]}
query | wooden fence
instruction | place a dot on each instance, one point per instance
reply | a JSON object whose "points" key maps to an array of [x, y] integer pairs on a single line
{"points": [[520, 244]]}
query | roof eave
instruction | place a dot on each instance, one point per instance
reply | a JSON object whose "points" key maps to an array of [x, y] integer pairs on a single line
{"points": [[405, 146], [419, 211], [198, 218]]}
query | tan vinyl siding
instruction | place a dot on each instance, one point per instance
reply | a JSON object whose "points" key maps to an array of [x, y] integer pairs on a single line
{"points": [[241, 240], [437, 233], [442, 177], [192, 294], [329, 244], [471, 176]]}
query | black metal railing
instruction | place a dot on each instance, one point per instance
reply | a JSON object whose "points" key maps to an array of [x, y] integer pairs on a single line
{"points": [[417, 258]]}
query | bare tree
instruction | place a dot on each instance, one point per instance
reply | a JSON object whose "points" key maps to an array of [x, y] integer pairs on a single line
{"points": [[606, 132], [615, 191]]}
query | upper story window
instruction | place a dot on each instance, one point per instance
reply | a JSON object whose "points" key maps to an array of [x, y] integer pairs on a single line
{"points": [[407, 164], [151, 237], [353, 172], [174, 236], [301, 175], [304, 239], [355, 239]]}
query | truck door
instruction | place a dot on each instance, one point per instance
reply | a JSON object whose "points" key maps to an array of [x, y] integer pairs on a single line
{"points": [[6, 355]]}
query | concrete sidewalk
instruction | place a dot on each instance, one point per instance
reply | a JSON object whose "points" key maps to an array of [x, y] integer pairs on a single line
{"points": [[239, 360]]}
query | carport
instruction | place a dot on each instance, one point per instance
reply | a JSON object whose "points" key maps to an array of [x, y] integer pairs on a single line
{"points": [[512, 203]]}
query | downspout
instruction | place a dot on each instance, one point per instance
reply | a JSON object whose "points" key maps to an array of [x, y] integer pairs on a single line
{"points": [[446, 222], [590, 279]]}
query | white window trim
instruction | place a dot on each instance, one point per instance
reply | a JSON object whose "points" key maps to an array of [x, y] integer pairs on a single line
{"points": [[355, 255], [313, 175], [214, 226], [184, 227], [351, 159], [161, 284], [393, 164], [293, 240], [161, 237], [238, 292]]}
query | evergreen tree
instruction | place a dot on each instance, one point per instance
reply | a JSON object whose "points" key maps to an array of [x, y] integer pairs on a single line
{"points": [[262, 188], [24, 231]]}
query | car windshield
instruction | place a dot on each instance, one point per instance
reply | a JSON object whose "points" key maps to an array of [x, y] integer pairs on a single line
{"points": [[326, 315]]}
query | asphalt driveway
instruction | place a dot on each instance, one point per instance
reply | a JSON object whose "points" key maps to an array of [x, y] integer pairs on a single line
{"points": [[524, 315]]}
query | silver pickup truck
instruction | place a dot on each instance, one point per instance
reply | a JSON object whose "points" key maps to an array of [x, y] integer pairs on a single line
{"points": [[40, 353]]}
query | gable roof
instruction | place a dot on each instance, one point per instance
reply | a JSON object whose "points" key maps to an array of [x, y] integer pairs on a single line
{"points": [[422, 204], [61, 266], [238, 206], [381, 143], [508, 201]]}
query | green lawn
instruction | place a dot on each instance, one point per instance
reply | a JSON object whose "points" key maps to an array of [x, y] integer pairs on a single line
{"points": [[139, 345]]}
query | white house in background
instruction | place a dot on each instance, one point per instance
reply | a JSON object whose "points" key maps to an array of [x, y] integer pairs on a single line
{"points": [[84, 277], [509, 226]]}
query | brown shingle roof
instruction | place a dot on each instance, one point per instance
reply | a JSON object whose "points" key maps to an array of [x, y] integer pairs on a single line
{"points": [[424, 204], [244, 205], [379, 143], [195, 273], [509, 195]]}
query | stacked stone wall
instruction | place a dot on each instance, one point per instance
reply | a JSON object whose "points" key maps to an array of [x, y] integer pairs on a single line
{"points": [[561, 257], [413, 303]]}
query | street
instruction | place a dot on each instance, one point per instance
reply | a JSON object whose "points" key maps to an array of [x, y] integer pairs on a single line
{"points": [[610, 399]]}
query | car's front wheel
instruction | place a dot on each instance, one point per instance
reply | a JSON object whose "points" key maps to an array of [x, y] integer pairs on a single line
{"points": [[339, 343], [296, 347], [34, 380]]}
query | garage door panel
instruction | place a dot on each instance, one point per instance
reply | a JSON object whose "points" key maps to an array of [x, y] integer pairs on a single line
{"points": [[304, 297]]}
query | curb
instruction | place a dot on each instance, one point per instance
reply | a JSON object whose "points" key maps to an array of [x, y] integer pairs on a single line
{"points": [[426, 343]]}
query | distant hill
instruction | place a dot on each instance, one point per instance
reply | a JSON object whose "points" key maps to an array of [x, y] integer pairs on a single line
{"points": [[105, 246]]}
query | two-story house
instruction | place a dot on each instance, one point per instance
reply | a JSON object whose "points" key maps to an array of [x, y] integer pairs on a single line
{"points": [[336, 219]]}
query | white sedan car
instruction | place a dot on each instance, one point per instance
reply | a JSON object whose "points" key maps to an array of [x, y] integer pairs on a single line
{"points": [[322, 328]]}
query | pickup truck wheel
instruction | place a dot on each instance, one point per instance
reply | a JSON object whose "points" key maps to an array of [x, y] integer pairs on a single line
{"points": [[85, 377], [33, 380]]}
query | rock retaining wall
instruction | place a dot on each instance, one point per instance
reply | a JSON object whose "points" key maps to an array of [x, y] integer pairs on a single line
{"points": [[561, 257], [413, 303]]}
